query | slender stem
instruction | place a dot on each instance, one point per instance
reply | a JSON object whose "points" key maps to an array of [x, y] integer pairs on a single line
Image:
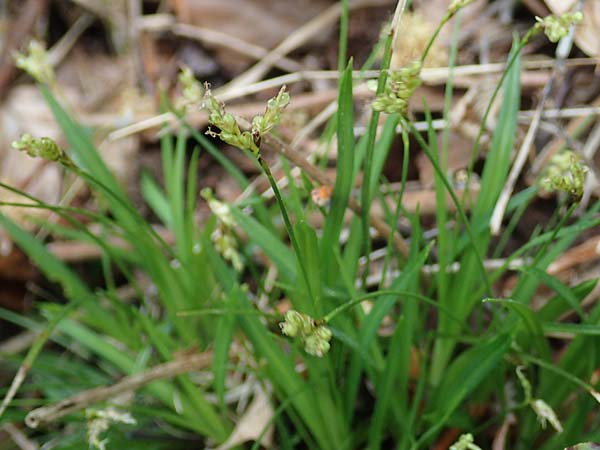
{"points": [[498, 273], [351, 303], [393, 224], [286, 219], [475, 152], [372, 132], [457, 203], [434, 36], [561, 223]]}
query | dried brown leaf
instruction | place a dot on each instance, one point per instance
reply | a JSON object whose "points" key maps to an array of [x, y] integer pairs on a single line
{"points": [[251, 424]]}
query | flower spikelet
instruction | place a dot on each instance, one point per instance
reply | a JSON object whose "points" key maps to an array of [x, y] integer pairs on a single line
{"points": [[546, 414], [192, 92], [99, 421], [565, 173], [465, 442], [313, 335], [44, 147], [230, 131], [272, 116], [223, 238], [555, 27], [399, 88], [36, 63]]}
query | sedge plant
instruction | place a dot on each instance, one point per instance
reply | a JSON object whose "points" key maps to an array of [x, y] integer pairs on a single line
{"points": [[349, 363]]}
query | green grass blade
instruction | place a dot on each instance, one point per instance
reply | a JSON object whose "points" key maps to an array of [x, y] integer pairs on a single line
{"points": [[271, 244], [464, 374], [343, 180], [557, 286], [492, 181]]}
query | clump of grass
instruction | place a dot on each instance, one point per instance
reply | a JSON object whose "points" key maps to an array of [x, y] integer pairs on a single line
{"points": [[337, 382]]}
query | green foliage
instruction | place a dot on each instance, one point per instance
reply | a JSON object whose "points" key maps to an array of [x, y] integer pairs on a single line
{"points": [[349, 363]]}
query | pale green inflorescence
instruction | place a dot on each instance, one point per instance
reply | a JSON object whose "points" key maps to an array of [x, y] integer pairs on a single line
{"points": [[314, 336], [223, 238], [458, 4], [565, 173], [555, 27], [99, 421], [192, 92], [272, 116], [399, 88], [465, 442], [542, 410], [36, 63], [44, 147], [229, 129], [545, 413]]}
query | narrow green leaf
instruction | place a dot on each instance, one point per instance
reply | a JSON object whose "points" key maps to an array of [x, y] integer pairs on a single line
{"points": [[270, 243], [557, 286], [343, 180], [465, 373]]}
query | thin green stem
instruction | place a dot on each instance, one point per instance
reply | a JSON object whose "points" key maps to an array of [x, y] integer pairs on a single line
{"points": [[286, 219], [475, 152], [498, 273], [434, 36], [393, 224], [563, 220], [372, 134], [351, 303], [457, 203]]}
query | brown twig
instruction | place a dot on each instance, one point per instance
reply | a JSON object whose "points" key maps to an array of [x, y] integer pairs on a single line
{"points": [[48, 414]]}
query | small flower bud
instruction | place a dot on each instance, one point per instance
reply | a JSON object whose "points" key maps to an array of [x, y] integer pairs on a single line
{"points": [[294, 323], [399, 88], [456, 5], [36, 63], [192, 91], [44, 147], [465, 442], [556, 28], [316, 346], [545, 413], [565, 173]]}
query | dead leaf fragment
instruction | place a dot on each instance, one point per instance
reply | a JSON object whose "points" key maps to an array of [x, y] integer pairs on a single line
{"points": [[251, 425]]}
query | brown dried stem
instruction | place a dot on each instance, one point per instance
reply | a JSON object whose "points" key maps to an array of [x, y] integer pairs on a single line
{"points": [[48, 414]]}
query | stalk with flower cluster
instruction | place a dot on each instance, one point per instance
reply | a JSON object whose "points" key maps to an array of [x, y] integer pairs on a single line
{"points": [[250, 140]]}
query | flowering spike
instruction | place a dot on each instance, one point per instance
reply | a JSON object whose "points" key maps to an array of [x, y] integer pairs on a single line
{"points": [[44, 147], [230, 131], [192, 92], [565, 173], [545, 413], [456, 5], [223, 238], [465, 442], [555, 27], [399, 88], [315, 337], [36, 63]]}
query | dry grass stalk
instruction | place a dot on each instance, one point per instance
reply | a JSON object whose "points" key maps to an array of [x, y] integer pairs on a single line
{"points": [[77, 402]]}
